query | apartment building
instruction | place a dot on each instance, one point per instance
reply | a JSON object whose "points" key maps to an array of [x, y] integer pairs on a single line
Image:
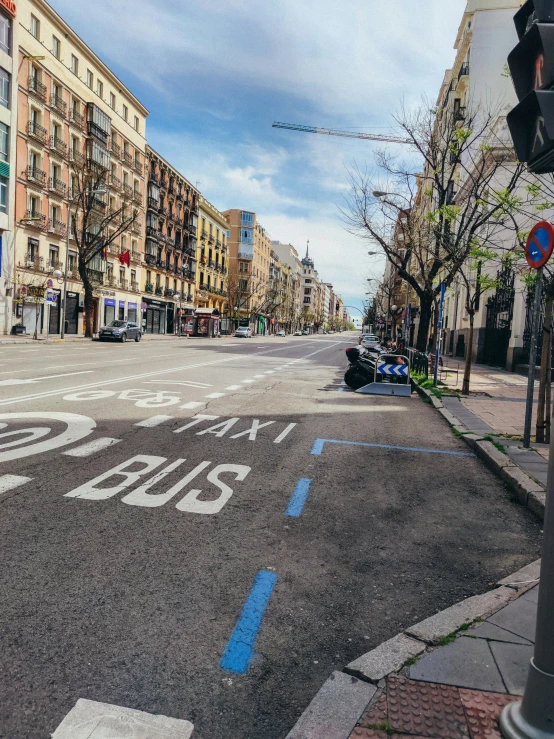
{"points": [[169, 259], [72, 109], [312, 312], [213, 260], [288, 255], [8, 141], [249, 251]]}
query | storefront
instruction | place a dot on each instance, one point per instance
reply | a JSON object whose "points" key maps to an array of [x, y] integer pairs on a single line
{"points": [[109, 311], [154, 316], [132, 312], [206, 322]]}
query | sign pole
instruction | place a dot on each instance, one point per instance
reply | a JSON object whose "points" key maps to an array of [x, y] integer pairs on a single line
{"points": [[439, 336], [533, 359]]}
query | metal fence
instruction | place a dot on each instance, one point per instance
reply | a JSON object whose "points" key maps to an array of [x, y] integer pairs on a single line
{"points": [[419, 362]]}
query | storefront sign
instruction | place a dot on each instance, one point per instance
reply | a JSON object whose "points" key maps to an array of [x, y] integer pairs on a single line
{"points": [[132, 306], [9, 6], [109, 301], [36, 292], [122, 304], [109, 293]]}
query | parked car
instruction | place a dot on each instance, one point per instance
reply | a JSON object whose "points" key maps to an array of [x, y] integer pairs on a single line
{"points": [[281, 333], [368, 341], [297, 333], [306, 332], [243, 332], [120, 331]]}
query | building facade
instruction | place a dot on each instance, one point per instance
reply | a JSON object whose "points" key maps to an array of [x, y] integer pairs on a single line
{"points": [[288, 255], [213, 261], [248, 284], [169, 259], [72, 109]]}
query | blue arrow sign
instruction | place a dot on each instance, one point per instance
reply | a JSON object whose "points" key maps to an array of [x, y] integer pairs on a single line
{"points": [[396, 370]]}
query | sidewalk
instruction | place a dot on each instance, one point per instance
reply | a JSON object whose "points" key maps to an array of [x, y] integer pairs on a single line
{"points": [[497, 409], [448, 677], [55, 339]]}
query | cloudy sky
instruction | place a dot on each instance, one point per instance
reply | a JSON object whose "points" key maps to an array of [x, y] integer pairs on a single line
{"points": [[215, 74]]}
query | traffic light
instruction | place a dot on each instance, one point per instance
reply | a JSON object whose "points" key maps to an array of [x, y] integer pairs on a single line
{"points": [[531, 65]]}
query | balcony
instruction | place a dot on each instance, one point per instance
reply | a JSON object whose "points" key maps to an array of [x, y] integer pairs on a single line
{"points": [[153, 204], [136, 226], [35, 263], [124, 283], [154, 176], [159, 290], [135, 286], [135, 257], [57, 102], [204, 234], [137, 165], [114, 182], [58, 146], [35, 175], [164, 182], [57, 186], [194, 208], [191, 229], [115, 148], [162, 210], [152, 231], [246, 253], [162, 238], [127, 190], [37, 132], [150, 259], [76, 118], [38, 89], [95, 130], [168, 293], [76, 157], [218, 244], [211, 263], [170, 241], [35, 220], [149, 287], [160, 263], [98, 204], [127, 158], [179, 194], [137, 197], [464, 70], [459, 114], [189, 275], [57, 227], [211, 239]]}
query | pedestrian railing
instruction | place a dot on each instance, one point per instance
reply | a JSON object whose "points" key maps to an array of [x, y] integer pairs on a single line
{"points": [[419, 362]]}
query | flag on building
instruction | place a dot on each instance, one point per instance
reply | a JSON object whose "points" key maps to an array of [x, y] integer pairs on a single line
{"points": [[125, 258]]}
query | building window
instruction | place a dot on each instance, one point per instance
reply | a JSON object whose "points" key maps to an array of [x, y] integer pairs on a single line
{"points": [[112, 101], [246, 236], [3, 194], [4, 142], [247, 219], [90, 79], [56, 47], [34, 206], [74, 64], [4, 88], [125, 112], [5, 28], [35, 27], [136, 123], [99, 88]]}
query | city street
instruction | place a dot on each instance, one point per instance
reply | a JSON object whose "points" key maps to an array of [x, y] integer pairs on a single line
{"points": [[184, 532]]}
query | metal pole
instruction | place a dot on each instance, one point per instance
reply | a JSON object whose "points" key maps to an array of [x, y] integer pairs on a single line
{"points": [[439, 336], [533, 718], [533, 360], [64, 301]]}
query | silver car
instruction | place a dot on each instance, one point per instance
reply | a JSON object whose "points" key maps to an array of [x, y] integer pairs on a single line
{"points": [[120, 331], [369, 341], [243, 332]]}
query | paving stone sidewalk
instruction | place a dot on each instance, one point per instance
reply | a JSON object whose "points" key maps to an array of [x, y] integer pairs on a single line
{"points": [[498, 412]]}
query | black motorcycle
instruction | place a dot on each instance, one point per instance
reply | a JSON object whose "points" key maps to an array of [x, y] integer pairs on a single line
{"points": [[361, 370]]}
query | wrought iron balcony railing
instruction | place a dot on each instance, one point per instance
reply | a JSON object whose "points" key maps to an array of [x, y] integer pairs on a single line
{"points": [[58, 145], [36, 175], [57, 227], [36, 131], [57, 102], [57, 186], [76, 118], [37, 88]]}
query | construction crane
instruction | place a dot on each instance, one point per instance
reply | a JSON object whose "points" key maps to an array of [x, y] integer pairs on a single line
{"points": [[346, 134]]}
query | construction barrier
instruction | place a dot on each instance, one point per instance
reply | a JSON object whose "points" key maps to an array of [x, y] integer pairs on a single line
{"points": [[392, 377]]}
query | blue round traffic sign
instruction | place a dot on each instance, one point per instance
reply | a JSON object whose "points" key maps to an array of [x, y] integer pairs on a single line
{"points": [[540, 244]]}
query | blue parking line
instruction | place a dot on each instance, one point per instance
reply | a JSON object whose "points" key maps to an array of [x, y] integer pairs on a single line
{"points": [[240, 649], [317, 448], [296, 503]]}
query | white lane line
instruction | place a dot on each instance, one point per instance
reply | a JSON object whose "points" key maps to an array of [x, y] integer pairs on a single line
{"points": [[192, 405], [91, 447], [234, 387], [270, 372], [248, 382], [95, 720], [152, 373], [215, 395], [46, 377], [153, 421], [201, 385], [9, 482], [259, 377]]}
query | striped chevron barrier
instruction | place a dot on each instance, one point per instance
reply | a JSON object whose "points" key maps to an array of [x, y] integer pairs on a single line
{"points": [[395, 370]]}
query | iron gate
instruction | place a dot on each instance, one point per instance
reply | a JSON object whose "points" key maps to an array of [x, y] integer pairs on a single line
{"points": [[526, 351], [500, 311]]}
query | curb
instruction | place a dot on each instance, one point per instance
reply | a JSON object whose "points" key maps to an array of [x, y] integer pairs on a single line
{"points": [[528, 491], [336, 708]]}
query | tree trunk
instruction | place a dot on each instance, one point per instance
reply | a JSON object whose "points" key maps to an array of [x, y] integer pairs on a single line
{"points": [[544, 374], [469, 352], [37, 314], [548, 393], [426, 304]]}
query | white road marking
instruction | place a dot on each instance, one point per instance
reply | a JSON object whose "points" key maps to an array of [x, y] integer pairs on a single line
{"points": [[9, 482], [154, 421], [153, 373], [253, 430], [195, 420], [77, 428], [96, 720], [47, 377], [234, 387], [285, 433], [248, 381], [91, 447], [192, 405], [201, 385], [215, 395], [270, 372], [258, 377]]}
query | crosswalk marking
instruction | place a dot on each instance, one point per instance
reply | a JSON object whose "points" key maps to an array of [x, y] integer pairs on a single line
{"points": [[9, 482], [91, 447], [234, 387], [153, 421], [248, 381], [192, 405], [215, 395]]}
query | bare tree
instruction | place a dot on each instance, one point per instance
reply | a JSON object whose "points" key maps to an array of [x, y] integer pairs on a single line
{"points": [[94, 226], [461, 189]]}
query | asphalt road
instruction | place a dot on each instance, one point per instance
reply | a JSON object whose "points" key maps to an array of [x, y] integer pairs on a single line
{"points": [[127, 589]]}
